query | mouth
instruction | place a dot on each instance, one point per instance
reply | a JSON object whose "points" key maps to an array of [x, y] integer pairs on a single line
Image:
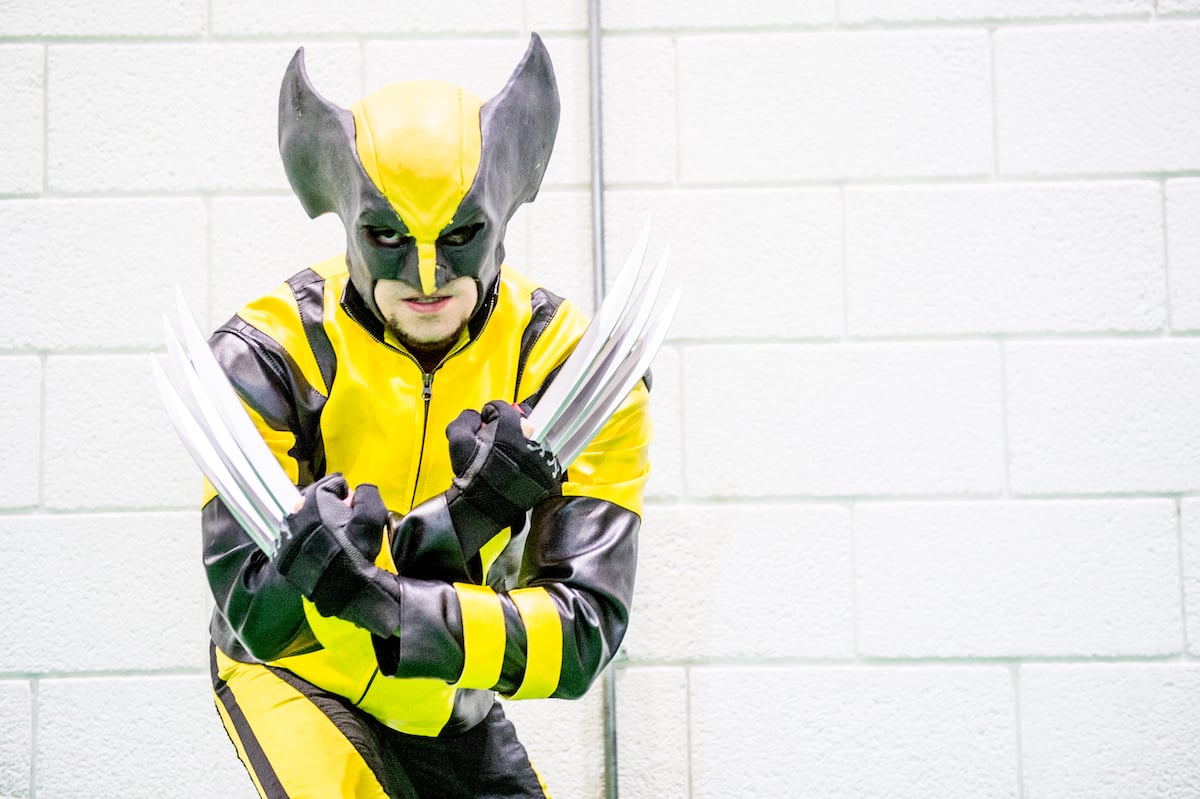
{"points": [[422, 304]]}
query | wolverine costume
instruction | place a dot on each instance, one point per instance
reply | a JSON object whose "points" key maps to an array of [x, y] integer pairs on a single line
{"points": [[370, 668]]}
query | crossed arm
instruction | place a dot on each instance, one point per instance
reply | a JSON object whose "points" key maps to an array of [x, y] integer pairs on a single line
{"points": [[549, 636]]}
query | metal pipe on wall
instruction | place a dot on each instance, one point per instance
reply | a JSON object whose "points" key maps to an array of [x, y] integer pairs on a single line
{"points": [[598, 276]]}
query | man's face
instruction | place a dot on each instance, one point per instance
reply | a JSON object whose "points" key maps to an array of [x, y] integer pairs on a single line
{"points": [[427, 323]]}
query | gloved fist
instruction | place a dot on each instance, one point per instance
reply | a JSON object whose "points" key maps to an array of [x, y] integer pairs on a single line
{"points": [[500, 473], [327, 550]]}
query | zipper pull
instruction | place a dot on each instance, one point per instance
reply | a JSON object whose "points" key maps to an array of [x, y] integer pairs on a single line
{"points": [[427, 388]]}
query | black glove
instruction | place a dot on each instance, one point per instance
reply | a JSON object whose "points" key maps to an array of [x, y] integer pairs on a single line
{"points": [[499, 473], [327, 550]]}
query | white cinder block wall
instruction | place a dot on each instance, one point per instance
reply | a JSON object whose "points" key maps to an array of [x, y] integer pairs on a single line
{"points": [[925, 517]]}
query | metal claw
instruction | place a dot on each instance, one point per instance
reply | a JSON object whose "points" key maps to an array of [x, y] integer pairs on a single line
{"points": [[607, 364], [217, 432], [213, 378], [611, 356], [198, 445], [613, 394], [557, 397]]}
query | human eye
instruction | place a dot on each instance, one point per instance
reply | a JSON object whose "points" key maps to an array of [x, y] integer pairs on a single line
{"points": [[460, 236], [387, 237]]}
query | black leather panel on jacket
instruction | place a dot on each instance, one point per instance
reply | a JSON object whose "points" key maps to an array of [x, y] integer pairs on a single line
{"points": [[583, 551], [259, 615]]}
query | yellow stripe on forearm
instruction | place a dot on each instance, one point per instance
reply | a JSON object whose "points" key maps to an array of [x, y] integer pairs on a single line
{"points": [[483, 636], [544, 637]]}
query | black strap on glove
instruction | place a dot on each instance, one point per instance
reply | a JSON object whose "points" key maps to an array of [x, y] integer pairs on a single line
{"points": [[499, 473], [327, 550]]}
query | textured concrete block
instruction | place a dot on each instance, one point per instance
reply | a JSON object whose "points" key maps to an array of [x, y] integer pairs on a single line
{"points": [[1103, 416], [1107, 730], [1014, 579], [630, 14], [122, 591], [555, 236], [868, 11], [125, 117], [107, 283], [742, 582], [258, 242], [81, 18], [1190, 523], [483, 66], [20, 419], [364, 18], [108, 443], [565, 741], [652, 726], [16, 737], [22, 127], [768, 265], [820, 106], [135, 737], [547, 16], [1005, 258], [841, 420], [1166, 7], [1183, 252], [639, 111], [666, 411], [1110, 98], [898, 732]]}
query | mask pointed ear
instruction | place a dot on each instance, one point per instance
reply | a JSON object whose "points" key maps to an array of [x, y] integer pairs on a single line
{"points": [[316, 140], [518, 127]]}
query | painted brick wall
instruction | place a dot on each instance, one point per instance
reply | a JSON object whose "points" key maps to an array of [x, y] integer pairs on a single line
{"points": [[925, 516], [926, 523]]}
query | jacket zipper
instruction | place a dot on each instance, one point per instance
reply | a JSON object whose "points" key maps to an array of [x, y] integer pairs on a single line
{"points": [[426, 379], [426, 396]]}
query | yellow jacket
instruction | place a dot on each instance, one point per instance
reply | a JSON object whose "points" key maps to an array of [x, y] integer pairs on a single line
{"points": [[331, 392]]}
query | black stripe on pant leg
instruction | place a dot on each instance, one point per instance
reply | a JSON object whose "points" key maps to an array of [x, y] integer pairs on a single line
{"points": [[391, 776], [262, 767]]}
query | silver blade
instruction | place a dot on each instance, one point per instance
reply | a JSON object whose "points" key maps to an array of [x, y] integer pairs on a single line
{"points": [[218, 388], [575, 369], [206, 416], [613, 394], [630, 328], [196, 442]]}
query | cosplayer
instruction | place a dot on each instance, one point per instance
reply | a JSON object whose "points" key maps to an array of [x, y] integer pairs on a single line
{"points": [[438, 557]]}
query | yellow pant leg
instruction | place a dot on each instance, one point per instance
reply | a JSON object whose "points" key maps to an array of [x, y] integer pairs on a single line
{"points": [[291, 747]]}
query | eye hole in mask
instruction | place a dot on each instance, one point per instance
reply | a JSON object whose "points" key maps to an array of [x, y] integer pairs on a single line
{"points": [[460, 236], [387, 237]]}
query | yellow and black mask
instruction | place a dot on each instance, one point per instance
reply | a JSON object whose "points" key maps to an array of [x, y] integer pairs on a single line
{"points": [[423, 174]]}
